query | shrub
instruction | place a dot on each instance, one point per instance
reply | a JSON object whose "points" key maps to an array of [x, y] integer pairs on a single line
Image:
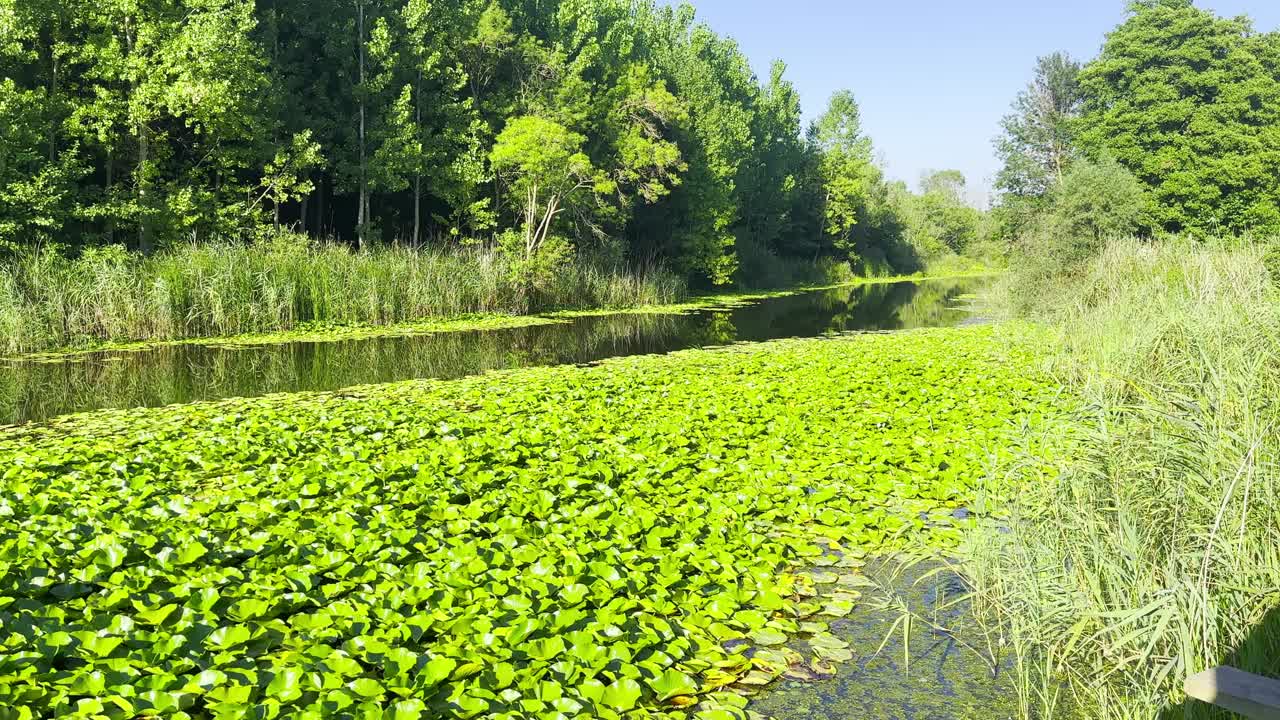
{"points": [[1095, 201]]}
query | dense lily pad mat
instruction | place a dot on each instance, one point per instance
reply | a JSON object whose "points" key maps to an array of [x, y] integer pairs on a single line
{"points": [[548, 542]]}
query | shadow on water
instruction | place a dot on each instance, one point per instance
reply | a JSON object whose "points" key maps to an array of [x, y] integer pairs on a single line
{"points": [[1258, 654], [31, 391], [946, 666]]}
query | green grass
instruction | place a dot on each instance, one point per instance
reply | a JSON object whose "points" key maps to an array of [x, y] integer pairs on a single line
{"points": [[108, 296], [293, 291], [545, 542], [1153, 550]]}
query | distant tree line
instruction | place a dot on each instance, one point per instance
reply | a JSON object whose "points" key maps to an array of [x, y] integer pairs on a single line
{"points": [[1173, 129], [542, 127]]}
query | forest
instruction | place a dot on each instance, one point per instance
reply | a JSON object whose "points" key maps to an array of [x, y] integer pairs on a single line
{"points": [[537, 359], [610, 128]]}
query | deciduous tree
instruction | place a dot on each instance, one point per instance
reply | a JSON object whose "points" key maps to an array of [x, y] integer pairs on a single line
{"points": [[1190, 103]]}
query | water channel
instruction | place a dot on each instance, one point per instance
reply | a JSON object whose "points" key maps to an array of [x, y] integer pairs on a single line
{"points": [[165, 375]]}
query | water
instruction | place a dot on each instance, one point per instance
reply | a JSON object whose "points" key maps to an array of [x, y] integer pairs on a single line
{"points": [[950, 667], [945, 680], [33, 391]]}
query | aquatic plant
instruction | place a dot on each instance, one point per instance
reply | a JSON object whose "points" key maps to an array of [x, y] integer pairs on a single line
{"points": [[220, 289], [543, 543], [1154, 551]]}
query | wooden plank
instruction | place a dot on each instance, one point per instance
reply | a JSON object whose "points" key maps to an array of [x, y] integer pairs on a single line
{"points": [[1250, 695]]}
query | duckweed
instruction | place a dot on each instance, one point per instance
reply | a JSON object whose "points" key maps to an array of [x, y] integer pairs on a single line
{"points": [[615, 540]]}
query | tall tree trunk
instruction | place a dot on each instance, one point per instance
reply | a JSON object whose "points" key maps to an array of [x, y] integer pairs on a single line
{"points": [[53, 98], [363, 199], [544, 228], [275, 126], [417, 174], [144, 148], [144, 222], [111, 221], [417, 208], [531, 207]]}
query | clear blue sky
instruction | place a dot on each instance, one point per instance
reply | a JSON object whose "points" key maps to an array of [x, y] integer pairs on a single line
{"points": [[933, 77]]}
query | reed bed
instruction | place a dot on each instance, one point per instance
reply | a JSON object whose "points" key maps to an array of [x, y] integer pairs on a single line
{"points": [[49, 301], [1153, 550]]}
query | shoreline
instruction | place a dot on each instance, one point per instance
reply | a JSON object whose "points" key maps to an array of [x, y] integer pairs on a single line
{"points": [[472, 322]]}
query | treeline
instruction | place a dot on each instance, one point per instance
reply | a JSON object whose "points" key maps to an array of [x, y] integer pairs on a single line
{"points": [[621, 128], [1173, 129]]}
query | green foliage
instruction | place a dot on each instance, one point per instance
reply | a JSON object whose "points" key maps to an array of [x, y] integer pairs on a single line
{"points": [[1097, 201], [543, 163], [1037, 143], [842, 200], [1190, 103], [939, 221], [542, 154], [540, 543], [846, 167], [1094, 203], [49, 301], [284, 179], [536, 272], [1148, 553], [406, 121]]}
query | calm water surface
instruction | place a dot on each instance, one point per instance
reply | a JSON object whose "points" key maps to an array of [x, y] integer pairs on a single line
{"points": [[31, 391], [948, 667]]}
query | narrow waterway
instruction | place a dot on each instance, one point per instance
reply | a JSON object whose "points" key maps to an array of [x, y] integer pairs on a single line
{"points": [[33, 391], [941, 664]]}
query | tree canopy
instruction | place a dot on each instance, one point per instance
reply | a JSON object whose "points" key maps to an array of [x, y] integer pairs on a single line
{"points": [[1190, 103], [1186, 101], [625, 127]]}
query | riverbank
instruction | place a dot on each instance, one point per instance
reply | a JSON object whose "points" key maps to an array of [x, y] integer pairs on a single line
{"points": [[730, 299], [1149, 552], [109, 297], [306, 333], [192, 371], [620, 547], [649, 294]]}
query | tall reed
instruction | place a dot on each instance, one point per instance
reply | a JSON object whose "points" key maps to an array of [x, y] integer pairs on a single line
{"points": [[218, 289], [1152, 551]]}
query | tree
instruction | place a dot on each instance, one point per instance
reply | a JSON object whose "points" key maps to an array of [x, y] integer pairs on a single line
{"points": [[35, 189], [1095, 201], [702, 221], [542, 162], [284, 178], [491, 43], [939, 220], [149, 115], [846, 167], [1190, 103], [643, 161], [773, 180], [424, 128], [1037, 146], [418, 120]]}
